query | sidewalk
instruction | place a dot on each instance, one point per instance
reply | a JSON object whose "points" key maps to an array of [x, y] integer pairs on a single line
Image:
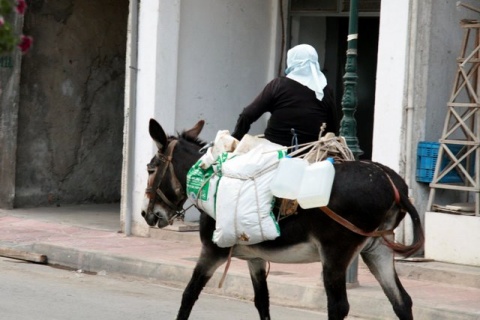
{"points": [[87, 237]]}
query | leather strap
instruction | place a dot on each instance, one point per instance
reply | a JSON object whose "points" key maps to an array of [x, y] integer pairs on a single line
{"points": [[350, 226]]}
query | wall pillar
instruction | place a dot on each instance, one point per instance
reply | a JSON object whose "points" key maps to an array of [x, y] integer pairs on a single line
{"points": [[152, 93], [10, 66]]}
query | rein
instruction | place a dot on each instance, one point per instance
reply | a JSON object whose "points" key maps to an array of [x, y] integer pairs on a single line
{"points": [[163, 163]]}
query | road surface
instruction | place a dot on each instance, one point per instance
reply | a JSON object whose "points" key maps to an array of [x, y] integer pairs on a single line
{"points": [[38, 292]]}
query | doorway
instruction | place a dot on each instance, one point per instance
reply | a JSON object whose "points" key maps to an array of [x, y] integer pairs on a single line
{"points": [[328, 35]]}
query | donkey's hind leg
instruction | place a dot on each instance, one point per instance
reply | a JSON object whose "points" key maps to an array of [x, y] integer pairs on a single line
{"points": [[380, 260], [259, 281], [210, 259]]}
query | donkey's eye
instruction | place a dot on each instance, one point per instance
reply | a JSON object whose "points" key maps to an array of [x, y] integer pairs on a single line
{"points": [[150, 169]]}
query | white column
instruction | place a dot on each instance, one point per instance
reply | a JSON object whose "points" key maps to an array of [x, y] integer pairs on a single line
{"points": [[390, 125], [155, 97], [390, 97], [131, 68]]}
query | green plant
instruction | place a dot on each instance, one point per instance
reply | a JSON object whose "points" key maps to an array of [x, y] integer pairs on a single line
{"points": [[8, 38]]}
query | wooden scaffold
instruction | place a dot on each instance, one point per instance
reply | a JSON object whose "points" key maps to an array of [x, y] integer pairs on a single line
{"points": [[460, 141]]}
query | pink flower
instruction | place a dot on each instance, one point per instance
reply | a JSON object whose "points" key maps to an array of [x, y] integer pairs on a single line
{"points": [[25, 43], [21, 6], [2, 21]]}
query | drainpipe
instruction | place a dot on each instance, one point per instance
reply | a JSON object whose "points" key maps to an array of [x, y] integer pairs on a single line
{"points": [[409, 109], [126, 206]]}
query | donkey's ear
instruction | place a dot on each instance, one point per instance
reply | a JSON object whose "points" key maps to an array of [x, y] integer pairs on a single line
{"points": [[195, 131], [157, 134]]}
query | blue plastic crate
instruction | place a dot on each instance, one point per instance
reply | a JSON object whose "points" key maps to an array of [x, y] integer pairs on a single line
{"points": [[427, 154]]}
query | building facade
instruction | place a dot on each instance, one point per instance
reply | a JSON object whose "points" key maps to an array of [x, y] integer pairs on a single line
{"points": [[67, 100], [208, 59]]}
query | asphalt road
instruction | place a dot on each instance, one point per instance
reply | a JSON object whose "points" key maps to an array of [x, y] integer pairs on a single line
{"points": [[38, 292]]}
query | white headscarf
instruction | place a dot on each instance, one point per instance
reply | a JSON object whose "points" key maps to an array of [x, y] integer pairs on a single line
{"points": [[303, 67]]}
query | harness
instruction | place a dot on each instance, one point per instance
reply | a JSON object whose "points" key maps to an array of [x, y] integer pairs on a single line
{"points": [[162, 163], [350, 226]]}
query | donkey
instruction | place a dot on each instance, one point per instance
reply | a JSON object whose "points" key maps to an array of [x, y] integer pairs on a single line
{"points": [[370, 199]]}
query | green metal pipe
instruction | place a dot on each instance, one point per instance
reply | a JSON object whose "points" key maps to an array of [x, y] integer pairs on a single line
{"points": [[348, 124]]}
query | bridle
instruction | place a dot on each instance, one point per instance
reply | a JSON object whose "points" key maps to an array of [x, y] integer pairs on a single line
{"points": [[162, 163]]}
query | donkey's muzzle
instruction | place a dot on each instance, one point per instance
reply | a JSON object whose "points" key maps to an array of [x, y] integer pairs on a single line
{"points": [[153, 219]]}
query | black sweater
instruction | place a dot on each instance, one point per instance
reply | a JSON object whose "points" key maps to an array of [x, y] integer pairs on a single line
{"points": [[292, 105]]}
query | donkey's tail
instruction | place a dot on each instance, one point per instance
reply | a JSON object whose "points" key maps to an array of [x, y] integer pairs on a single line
{"points": [[418, 236]]}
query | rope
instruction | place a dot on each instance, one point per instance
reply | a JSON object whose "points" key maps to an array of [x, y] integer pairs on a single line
{"points": [[227, 266], [229, 260], [257, 200], [240, 176], [327, 146]]}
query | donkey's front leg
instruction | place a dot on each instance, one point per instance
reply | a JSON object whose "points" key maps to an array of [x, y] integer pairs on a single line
{"points": [[335, 265], [259, 280], [336, 290], [210, 259]]}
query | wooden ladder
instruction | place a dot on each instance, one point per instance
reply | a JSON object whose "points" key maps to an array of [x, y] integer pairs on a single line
{"points": [[460, 141]]}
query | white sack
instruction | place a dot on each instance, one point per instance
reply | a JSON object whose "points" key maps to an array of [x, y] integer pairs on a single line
{"points": [[244, 201]]}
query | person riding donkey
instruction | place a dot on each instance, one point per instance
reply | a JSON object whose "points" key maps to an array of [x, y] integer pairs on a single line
{"points": [[301, 101]]}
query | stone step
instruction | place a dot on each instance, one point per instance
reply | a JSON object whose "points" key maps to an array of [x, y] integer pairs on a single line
{"points": [[440, 272]]}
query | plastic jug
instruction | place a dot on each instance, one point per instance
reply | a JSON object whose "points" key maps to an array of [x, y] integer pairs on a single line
{"points": [[316, 184], [286, 181]]}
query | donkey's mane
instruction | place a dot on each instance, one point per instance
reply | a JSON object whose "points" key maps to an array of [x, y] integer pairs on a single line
{"points": [[188, 138]]}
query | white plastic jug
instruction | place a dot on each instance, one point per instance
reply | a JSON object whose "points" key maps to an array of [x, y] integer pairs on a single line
{"points": [[316, 184], [286, 181]]}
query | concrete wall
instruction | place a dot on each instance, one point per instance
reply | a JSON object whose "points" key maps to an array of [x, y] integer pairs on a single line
{"points": [[211, 58], [71, 103], [10, 66], [224, 62], [436, 70], [416, 67]]}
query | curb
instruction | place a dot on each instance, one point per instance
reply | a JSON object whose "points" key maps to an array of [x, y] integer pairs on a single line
{"points": [[364, 302]]}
